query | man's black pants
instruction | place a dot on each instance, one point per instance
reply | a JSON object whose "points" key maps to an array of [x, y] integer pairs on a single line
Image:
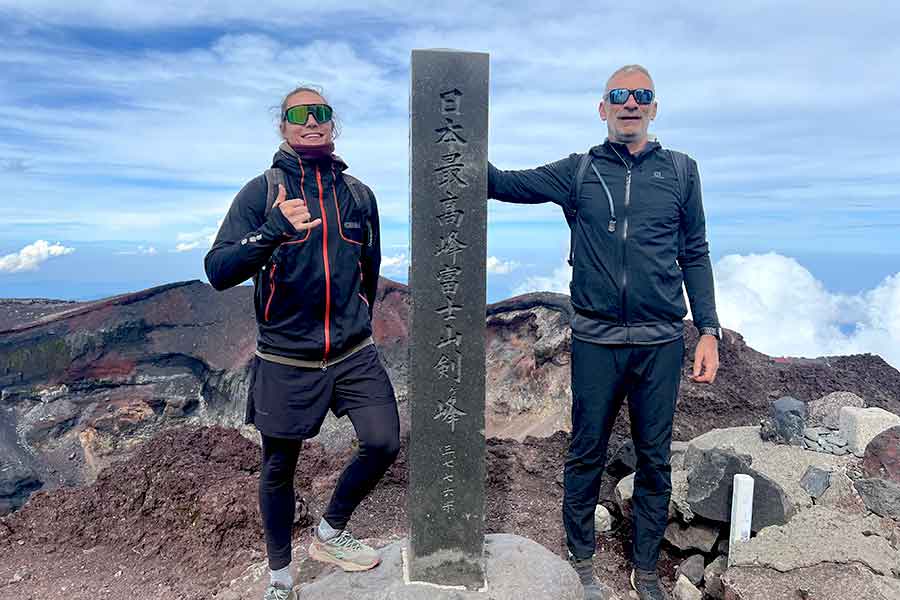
{"points": [[602, 377]]}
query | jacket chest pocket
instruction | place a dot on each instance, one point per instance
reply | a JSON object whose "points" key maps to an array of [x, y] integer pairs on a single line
{"points": [[351, 225]]}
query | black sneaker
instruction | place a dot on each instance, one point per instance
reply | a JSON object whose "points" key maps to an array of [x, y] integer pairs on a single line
{"points": [[593, 589], [648, 586]]}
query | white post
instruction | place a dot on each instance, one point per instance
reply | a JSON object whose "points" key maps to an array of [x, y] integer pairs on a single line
{"points": [[741, 512]]}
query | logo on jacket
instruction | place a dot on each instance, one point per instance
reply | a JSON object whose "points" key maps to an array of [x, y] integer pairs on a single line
{"points": [[658, 174], [351, 225]]}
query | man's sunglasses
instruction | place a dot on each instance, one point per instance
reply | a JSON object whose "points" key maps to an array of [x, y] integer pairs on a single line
{"points": [[299, 114], [620, 95]]}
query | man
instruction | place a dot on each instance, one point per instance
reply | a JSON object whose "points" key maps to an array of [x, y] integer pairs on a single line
{"points": [[638, 233]]}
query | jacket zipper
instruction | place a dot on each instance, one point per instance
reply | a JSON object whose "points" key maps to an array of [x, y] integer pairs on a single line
{"points": [[271, 291], [327, 269], [611, 227], [625, 240]]}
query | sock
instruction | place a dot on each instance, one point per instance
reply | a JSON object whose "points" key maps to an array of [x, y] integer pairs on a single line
{"points": [[325, 531], [281, 577]]}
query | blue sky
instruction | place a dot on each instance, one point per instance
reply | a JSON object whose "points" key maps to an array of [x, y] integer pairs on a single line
{"points": [[126, 129]]}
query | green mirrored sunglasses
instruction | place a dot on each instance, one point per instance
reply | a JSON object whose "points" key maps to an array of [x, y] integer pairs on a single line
{"points": [[299, 114]]}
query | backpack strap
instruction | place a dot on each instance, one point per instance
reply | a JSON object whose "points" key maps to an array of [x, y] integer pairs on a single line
{"points": [[274, 177], [681, 162], [571, 212], [362, 196]]}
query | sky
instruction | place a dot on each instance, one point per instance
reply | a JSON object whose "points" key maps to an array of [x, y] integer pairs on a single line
{"points": [[126, 129]]}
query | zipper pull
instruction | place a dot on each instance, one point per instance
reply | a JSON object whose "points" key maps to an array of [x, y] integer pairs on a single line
{"points": [[612, 225], [324, 365]]}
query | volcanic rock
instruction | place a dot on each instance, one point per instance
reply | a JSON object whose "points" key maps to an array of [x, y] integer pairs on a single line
{"points": [[826, 410], [710, 484], [882, 455], [815, 481], [786, 422], [880, 496], [695, 536], [781, 464], [860, 425], [692, 567], [546, 576], [820, 535]]}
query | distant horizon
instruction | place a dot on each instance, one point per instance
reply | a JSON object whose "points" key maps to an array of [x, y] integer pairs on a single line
{"points": [[129, 127]]}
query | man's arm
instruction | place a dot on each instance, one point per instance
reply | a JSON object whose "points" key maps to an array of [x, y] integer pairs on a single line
{"points": [[246, 239], [694, 259], [698, 279], [548, 183]]}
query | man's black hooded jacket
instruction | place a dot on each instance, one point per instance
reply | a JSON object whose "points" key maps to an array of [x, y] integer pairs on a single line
{"points": [[628, 263]]}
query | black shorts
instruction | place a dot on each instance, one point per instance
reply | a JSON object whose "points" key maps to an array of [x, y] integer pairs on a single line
{"points": [[291, 402]]}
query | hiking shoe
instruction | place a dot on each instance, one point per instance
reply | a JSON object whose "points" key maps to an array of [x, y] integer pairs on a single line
{"points": [[593, 589], [648, 586], [276, 592], [345, 551]]}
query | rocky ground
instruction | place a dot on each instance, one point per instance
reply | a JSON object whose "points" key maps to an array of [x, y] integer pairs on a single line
{"points": [[178, 519], [113, 410]]}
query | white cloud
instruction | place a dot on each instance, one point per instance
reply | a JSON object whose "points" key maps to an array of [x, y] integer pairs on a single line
{"points": [[781, 309], [196, 239], [395, 265], [31, 256], [558, 281], [501, 267], [141, 250], [186, 246]]}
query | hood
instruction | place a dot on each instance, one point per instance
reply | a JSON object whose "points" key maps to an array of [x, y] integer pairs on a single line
{"points": [[288, 160]]}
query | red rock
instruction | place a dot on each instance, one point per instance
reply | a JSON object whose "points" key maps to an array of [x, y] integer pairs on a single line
{"points": [[882, 457]]}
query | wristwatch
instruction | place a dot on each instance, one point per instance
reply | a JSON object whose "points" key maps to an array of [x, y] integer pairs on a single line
{"points": [[713, 331]]}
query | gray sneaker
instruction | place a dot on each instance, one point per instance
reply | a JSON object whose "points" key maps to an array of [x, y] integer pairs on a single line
{"points": [[276, 592], [345, 551], [593, 589], [648, 586]]}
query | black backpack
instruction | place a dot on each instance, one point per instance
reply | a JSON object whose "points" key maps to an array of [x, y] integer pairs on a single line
{"points": [[679, 160], [361, 197]]}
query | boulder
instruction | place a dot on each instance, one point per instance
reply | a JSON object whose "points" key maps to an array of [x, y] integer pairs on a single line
{"points": [[710, 484], [880, 496], [546, 576], [624, 492], [860, 425], [676, 456], [882, 456], [786, 422], [678, 504], [685, 590], [692, 568], [841, 495], [781, 464], [815, 481], [819, 582], [623, 462], [826, 410], [820, 535], [695, 536], [712, 576], [602, 519]]}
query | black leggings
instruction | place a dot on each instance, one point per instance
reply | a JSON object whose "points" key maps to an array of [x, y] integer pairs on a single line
{"points": [[378, 430]]}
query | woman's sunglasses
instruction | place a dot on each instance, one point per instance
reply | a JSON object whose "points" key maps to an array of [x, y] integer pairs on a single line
{"points": [[299, 114]]}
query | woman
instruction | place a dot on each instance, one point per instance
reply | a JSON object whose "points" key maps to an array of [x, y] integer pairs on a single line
{"points": [[308, 234]]}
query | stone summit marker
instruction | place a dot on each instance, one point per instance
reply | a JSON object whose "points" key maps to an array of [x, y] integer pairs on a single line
{"points": [[448, 179], [447, 556]]}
